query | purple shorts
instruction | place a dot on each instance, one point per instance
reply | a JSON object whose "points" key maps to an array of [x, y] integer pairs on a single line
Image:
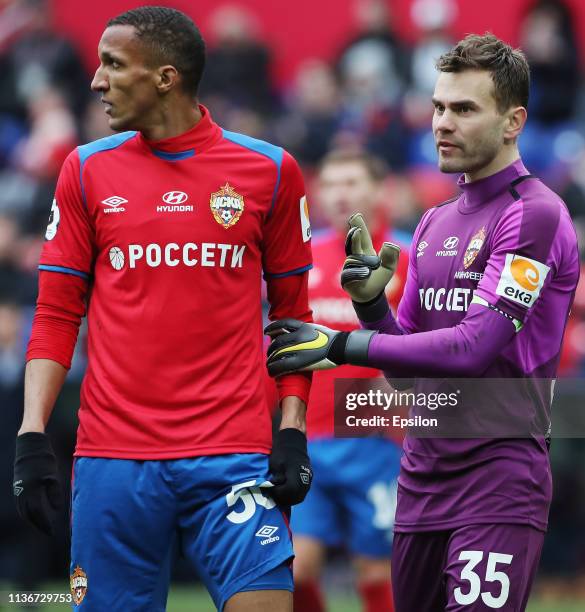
{"points": [[473, 568]]}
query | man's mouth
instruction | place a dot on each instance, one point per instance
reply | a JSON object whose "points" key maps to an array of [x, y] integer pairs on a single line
{"points": [[107, 106], [446, 146]]}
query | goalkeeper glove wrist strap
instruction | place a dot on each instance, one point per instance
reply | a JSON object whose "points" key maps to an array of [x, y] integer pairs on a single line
{"points": [[372, 311], [351, 347]]}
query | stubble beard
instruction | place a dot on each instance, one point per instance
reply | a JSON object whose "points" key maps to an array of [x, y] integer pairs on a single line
{"points": [[469, 161]]}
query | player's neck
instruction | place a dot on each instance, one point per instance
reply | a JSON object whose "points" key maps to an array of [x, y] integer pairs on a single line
{"points": [[172, 121], [508, 155]]}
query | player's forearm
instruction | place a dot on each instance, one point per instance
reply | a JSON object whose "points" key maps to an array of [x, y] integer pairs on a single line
{"points": [[294, 412], [464, 350], [43, 380]]}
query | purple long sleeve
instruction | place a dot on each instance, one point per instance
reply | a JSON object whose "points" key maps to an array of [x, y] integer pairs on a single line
{"points": [[465, 350], [388, 325]]}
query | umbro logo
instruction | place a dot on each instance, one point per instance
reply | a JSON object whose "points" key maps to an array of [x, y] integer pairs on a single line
{"points": [[267, 532], [113, 204]]}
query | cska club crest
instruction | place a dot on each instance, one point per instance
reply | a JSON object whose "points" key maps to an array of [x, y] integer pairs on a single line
{"points": [[473, 248], [227, 206], [78, 583]]}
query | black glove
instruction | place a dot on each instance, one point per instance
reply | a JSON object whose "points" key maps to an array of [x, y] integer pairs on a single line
{"points": [[36, 487], [290, 467], [298, 346]]}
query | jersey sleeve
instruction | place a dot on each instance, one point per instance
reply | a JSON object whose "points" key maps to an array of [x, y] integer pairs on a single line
{"points": [[522, 258], [286, 242], [289, 298], [69, 238]]}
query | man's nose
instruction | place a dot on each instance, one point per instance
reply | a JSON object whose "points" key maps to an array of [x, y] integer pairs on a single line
{"points": [[99, 81], [444, 123]]}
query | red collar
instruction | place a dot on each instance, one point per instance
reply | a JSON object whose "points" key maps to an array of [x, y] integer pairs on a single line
{"points": [[203, 135]]}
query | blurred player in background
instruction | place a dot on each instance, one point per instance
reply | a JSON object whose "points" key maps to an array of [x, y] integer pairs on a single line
{"points": [[353, 495], [492, 276], [164, 233]]}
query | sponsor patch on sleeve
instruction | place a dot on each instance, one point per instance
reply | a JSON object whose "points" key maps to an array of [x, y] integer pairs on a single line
{"points": [[54, 218], [305, 223], [522, 279]]}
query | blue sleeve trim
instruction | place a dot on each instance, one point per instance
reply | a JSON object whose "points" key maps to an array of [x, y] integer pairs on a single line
{"points": [[271, 151], [174, 156], [267, 275], [64, 271], [97, 146]]}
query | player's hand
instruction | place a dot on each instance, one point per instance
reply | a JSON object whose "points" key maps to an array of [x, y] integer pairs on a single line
{"points": [[298, 346], [365, 274], [36, 486], [290, 467]]}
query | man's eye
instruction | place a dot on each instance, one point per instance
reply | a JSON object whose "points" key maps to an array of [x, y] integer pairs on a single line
{"points": [[465, 109], [115, 64], [439, 108]]}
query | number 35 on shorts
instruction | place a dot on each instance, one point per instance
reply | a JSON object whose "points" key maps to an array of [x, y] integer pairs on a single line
{"points": [[495, 573], [249, 494]]}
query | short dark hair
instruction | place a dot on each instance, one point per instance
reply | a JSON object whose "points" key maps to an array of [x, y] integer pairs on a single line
{"points": [[375, 167], [508, 67], [172, 37]]}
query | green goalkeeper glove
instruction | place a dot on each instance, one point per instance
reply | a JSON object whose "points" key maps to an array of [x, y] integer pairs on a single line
{"points": [[365, 274]]}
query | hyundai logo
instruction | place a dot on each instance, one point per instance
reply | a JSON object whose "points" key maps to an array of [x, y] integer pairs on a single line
{"points": [[451, 242], [175, 197]]}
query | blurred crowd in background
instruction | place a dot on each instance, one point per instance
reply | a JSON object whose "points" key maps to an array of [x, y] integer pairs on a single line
{"points": [[375, 95]]}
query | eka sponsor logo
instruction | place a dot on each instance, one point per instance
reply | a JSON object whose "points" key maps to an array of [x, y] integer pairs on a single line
{"points": [[113, 204], [174, 201], [449, 247], [456, 299], [190, 254], [305, 221], [522, 279], [53, 224], [267, 532]]}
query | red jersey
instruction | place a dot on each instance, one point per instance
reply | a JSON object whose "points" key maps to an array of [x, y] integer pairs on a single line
{"points": [[174, 236], [333, 308]]}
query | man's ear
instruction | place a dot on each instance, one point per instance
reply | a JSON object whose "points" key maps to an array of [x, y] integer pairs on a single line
{"points": [[167, 77], [515, 120]]}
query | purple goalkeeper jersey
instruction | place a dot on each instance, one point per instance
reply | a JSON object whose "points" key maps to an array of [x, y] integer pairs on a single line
{"points": [[506, 241]]}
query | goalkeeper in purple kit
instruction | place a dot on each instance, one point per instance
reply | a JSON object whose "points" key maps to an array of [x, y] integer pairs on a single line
{"points": [[492, 276]]}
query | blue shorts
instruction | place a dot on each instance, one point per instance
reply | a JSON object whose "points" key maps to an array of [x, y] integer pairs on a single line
{"points": [[129, 518], [352, 500]]}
